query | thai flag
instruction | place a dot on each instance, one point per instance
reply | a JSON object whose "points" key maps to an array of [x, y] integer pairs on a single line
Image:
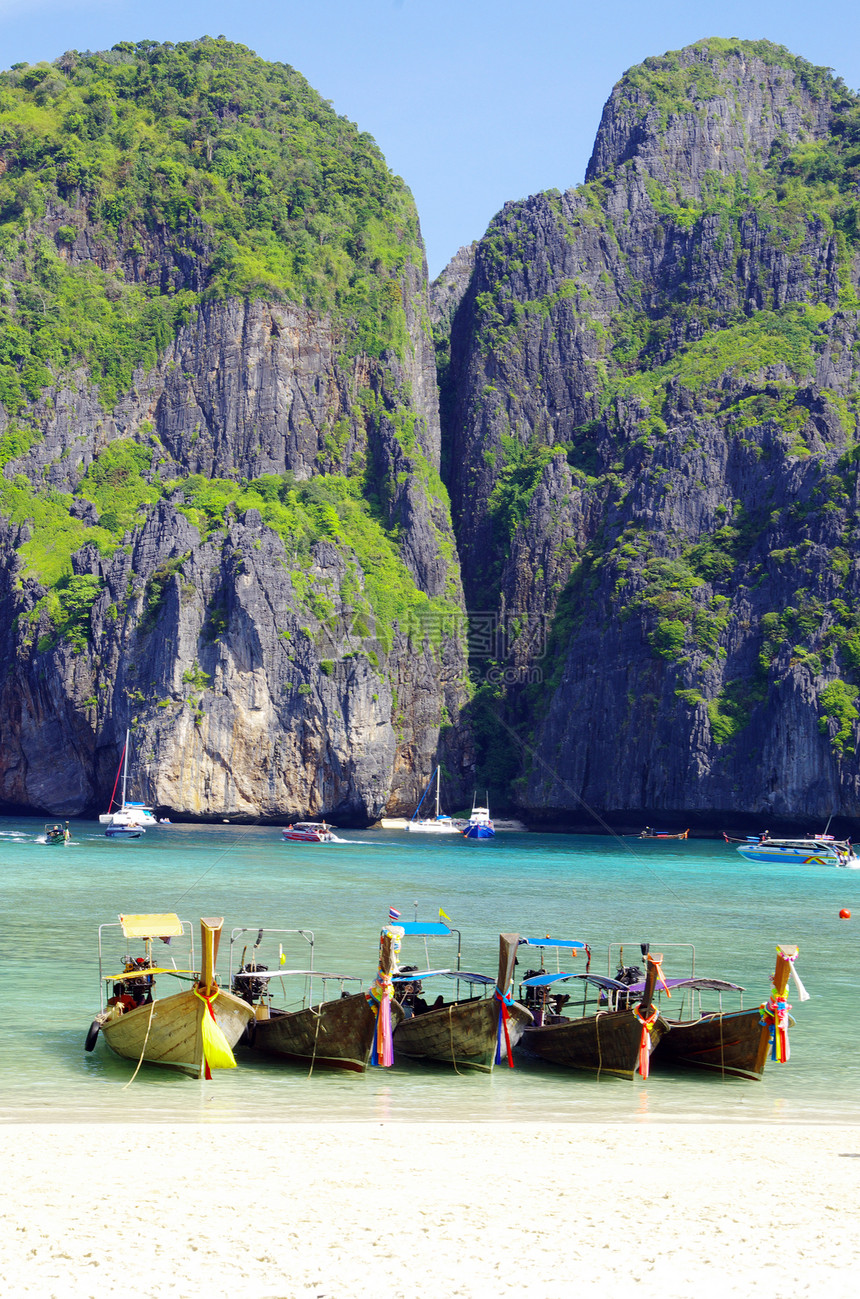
{"points": [[393, 913]]}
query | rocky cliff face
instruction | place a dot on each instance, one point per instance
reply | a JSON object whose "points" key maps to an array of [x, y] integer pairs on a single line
{"points": [[652, 412], [239, 546]]}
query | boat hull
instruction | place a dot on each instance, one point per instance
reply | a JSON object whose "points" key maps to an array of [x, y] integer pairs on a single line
{"points": [[168, 1031], [736, 1044], [333, 1035], [607, 1042], [432, 827], [462, 1034], [479, 832], [790, 856]]}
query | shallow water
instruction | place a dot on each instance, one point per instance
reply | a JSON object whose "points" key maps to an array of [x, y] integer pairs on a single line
{"points": [[592, 888]]}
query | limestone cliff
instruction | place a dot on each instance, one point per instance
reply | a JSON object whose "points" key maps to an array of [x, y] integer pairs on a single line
{"points": [[652, 401], [221, 516]]}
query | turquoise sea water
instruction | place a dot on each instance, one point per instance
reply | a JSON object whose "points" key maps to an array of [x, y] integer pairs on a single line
{"points": [[593, 888]]}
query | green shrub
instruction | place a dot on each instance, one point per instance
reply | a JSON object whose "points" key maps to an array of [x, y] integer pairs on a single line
{"points": [[836, 702]]}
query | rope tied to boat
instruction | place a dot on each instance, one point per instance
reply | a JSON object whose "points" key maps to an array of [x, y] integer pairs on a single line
{"points": [[216, 1049], [645, 1044], [502, 1030], [379, 996]]}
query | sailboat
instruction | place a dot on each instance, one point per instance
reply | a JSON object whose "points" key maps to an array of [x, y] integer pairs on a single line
{"points": [[130, 820], [438, 824]]}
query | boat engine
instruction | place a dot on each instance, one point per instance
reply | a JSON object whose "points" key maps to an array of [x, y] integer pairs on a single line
{"points": [[136, 990], [408, 993], [628, 974], [534, 998], [250, 990]]}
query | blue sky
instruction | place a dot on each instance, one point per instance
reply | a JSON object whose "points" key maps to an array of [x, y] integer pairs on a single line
{"points": [[473, 102]]}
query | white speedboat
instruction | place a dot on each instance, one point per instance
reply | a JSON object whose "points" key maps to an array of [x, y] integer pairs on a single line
{"points": [[308, 832], [806, 850]]}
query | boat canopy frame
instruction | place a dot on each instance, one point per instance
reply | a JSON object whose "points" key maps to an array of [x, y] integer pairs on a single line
{"points": [[132, 932], [429, 929], [307, 972]]}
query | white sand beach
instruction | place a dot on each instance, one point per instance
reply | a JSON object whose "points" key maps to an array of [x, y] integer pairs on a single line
{"points": [[337, 1211]]}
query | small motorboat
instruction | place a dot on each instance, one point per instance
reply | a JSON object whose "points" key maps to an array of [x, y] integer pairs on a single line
{"points": [[55, 834], [124, 831], [308, 832]]}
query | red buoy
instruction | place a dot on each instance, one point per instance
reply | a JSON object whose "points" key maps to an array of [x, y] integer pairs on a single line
{"points": [[844, 914]]}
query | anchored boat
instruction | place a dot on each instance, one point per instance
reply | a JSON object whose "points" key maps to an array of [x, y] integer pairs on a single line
{"points": [[474, 1031], [596, 1022], [735, 1042], [479, 825], [128, 817], [806, 850], [193, 1030], [333, 1031], [438, 824]]}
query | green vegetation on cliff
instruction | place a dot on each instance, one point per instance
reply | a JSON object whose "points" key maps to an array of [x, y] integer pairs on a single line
{"points": [[137, 184], [158, 175]]}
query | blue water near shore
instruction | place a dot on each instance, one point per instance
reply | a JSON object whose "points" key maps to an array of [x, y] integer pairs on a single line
{"points": [[593, 888]]}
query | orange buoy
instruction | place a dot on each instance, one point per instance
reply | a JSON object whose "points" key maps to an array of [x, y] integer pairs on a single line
{"points": [[844, 914]]}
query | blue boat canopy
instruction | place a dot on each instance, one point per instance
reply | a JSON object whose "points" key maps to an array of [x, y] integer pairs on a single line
{"points": [[423, 928], [596, 980], [570, 944]]}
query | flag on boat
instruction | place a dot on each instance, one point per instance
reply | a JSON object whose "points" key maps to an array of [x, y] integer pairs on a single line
{"points": [[393, 913], [442, 916]]}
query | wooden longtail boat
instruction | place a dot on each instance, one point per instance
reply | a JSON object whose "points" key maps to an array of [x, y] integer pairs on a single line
{"points": [[738, 1042], [175, 1031], [611, 1038], [333, 1034], [649, 833], [462, 1033]]}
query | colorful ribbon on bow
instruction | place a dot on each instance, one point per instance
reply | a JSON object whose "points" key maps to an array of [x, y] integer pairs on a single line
{"points": [[774, 1017], [502, 1030], [379, 998], [647, 1022], [216, 1049]]}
